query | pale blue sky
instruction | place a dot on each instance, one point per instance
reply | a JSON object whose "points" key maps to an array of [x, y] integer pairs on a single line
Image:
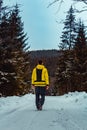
{"points": [[40, 22]]}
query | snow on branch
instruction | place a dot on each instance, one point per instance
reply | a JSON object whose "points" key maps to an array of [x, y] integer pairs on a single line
{"points": [[84, 1], [80, 11], [51, 3]]}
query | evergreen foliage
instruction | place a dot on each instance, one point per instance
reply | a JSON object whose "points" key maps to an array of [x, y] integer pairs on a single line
{"points": [[71, 73], [69, 31], [81, 57], [65, 73], [14, 64]]}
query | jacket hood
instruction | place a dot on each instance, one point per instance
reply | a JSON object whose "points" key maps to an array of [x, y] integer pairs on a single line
{"points": [[40, 66]]}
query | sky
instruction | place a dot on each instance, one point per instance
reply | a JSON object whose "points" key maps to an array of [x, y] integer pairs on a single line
{"points": [[43, 25], [67, 112]]}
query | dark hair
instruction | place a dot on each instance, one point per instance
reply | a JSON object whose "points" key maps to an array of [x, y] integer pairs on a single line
{"points": [[40, 62]]}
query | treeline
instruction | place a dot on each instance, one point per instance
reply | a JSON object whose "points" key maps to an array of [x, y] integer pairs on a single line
{"points": [[45, 53], [71, 73], [14, 55]]}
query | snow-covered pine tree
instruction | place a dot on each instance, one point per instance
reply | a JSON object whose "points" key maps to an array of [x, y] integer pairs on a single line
{"points": [[71, 74], [6, 69], [20, 51], [68, 34], [14, 63], [81, 58], [60, 87], [65, 73]]}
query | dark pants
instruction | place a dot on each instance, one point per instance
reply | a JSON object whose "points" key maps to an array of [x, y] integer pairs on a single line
{"points": [[40, 95]]}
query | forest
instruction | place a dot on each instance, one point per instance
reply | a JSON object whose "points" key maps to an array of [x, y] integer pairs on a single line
{"points": [[67, 66]]}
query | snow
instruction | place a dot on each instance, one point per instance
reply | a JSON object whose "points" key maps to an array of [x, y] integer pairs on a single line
{"points": [[67, 112]]}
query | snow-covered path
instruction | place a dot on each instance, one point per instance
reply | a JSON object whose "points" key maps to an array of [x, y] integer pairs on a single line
{"points": [[68, 112]]}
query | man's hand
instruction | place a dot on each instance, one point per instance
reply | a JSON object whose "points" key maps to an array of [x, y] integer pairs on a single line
{"points": [[47, 87], [32, 86]]}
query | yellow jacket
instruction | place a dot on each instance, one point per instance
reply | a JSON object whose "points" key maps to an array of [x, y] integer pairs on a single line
{"points": [[43, 79]]}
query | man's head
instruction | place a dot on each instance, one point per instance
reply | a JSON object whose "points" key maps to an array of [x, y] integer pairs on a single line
{"points": [[40, 62]]}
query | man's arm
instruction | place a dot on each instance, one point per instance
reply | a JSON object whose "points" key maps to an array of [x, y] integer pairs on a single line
{"points": [[33, 77], [47, 79]]}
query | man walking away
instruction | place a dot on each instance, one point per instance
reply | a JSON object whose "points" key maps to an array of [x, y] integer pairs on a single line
{"points": [[40, 81]]}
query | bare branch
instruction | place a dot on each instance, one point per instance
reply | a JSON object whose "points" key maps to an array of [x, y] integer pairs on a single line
{"points": [[60, 5], [52, 3]]}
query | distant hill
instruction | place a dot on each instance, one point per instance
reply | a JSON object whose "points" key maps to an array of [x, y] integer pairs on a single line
{"points": [[44, 53]]}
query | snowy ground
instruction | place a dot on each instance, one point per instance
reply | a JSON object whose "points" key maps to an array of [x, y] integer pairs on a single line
{"points": [[68, 112]]}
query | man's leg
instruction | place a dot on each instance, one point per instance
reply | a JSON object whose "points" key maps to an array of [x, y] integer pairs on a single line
{"points": [[37, 100], [37, 97], [42, 99]]}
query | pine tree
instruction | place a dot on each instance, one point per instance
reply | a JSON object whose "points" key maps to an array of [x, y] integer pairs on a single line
{"points": [[71, 74], [20, 53], [59, 88], [14, 64], [5, 75], [65, 73], [68, 34], [81, 57], [80, 42]]}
